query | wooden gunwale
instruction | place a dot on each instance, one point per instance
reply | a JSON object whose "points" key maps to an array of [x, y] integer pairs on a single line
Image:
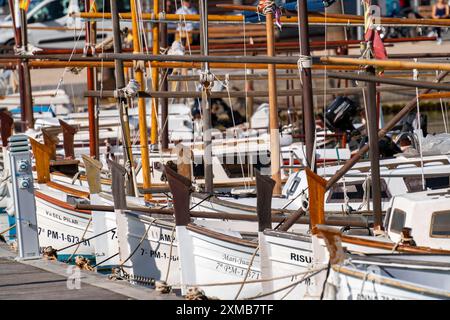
{"points": [[220, 236], [59, 203], [389, 282], [68, 190]]}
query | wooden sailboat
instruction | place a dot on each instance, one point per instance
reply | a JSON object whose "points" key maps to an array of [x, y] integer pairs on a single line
{"points": [[384, 276]]}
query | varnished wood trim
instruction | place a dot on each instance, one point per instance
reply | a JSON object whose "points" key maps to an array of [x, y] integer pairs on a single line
{"points": [[68, 190], [59, 203]]}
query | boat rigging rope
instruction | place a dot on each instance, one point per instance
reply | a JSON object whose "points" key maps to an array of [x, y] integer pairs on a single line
{"points": [[325, 83], [226, 85], [172, 239], [209, 195], [366, 195], [419, 132], [82, 238], [443, 109], [304, 62], [247, 273], [8, 229], [265, 7], [346, 198], [61, 79], [326, 279], [233, 283], [107, 259], [286, 287], [138, 245]]}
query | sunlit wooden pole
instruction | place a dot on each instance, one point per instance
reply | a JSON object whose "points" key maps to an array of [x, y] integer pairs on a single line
{"points": [[90, 42], [139, 77], [273, 109]]}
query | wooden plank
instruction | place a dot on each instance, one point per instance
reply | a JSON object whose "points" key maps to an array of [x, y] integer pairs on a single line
{"points": [[20, 281]]}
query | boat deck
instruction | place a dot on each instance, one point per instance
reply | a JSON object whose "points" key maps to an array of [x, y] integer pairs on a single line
{"points": [[50, 280]]}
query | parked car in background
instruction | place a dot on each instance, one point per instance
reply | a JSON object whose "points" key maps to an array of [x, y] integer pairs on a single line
{"points": [[51, 26]]}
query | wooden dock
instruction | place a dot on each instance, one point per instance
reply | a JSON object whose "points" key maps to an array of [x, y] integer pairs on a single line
{"points": [[51, 280]]}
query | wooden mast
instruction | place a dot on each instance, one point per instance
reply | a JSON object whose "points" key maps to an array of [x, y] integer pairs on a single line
{"points": [[21, 39], [139, 76], [89, 46], [374, 151], [121, 102], [207, 80], [273, 108], [28, 101], [306, 74]]}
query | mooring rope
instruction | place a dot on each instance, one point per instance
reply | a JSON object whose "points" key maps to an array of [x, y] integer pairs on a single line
{"points": [[247, 272], [172, 239], [82, 238], [285, 287]]}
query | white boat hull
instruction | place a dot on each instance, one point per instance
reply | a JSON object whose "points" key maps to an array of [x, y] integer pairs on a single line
{"points": [[59, 227]]}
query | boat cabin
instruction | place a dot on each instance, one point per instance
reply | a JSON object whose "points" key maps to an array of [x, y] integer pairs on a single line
{"points": [[426, 213]]}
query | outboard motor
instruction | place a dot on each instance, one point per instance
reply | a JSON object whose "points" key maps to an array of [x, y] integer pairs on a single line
{"points": [[338, 116]]}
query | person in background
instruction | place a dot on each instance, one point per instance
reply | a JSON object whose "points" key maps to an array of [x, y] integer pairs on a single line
{"points": [[440, 10], [185, 30], [171, 27]]}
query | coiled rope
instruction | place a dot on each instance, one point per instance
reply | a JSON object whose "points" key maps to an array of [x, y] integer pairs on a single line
{"points": [[266, 7]]}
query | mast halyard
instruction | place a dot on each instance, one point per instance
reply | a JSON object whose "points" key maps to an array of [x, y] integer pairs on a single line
{"points": [[207, 80], [164, 87], [273, 108]]}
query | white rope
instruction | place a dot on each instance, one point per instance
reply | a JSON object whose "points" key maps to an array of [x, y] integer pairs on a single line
{"points": [[287, 286], [246, 85], [226, 85], [303, 62], [419, 131], [247, 273], [172, 239], [129, 91], [266, 7], [61, 79], [325, 81], [233, 283], [82, 238], [443, 109]]}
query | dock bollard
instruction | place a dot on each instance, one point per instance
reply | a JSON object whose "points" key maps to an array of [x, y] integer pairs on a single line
{"points": [[23, 195]]}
